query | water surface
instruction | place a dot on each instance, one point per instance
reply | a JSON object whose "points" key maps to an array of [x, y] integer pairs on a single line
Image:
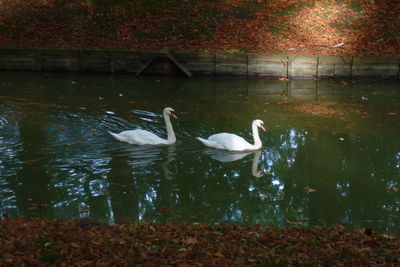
{"points": [[331, 154]]}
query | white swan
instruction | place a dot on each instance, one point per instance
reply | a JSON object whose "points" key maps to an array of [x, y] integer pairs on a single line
{"points": [[143, 137], [232, 142]]}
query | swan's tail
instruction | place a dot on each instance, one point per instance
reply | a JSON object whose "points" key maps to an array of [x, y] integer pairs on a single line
{"points": [[206, 142], [116, 136], [201, 139]]}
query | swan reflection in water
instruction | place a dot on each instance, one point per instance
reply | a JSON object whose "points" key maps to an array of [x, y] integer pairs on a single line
{"points": [[228, 156], [146, 156], [170, 171]]}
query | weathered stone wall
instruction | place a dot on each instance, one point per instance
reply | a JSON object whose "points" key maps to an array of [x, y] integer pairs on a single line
{"points": [[215, 64]]}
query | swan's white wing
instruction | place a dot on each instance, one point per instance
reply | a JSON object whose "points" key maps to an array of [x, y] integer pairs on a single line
{"points": [[139, 137], [210, 143], [226, 141]]}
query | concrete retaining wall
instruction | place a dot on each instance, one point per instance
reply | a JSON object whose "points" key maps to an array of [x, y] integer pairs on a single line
{"points": [[216, 64]]}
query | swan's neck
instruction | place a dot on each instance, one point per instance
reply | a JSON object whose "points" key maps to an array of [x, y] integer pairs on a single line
{"points": [[256, 136], [170, 131]]}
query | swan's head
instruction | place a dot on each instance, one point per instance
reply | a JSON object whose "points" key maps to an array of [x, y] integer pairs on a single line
{"points": [[260, 123], [170, 112]]}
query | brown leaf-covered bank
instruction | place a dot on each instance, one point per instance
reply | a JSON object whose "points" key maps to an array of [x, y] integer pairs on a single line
{"points": [[33, 242], [307, 27]]}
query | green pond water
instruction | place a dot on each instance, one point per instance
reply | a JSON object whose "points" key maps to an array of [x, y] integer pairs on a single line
{"points": [[331, 153]]}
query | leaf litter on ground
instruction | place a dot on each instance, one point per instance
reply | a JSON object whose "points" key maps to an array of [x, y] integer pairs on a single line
{"points": [[33, 241]]}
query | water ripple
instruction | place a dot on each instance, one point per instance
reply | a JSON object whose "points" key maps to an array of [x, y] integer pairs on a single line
{"points": [[145, 113], [3, 122]]}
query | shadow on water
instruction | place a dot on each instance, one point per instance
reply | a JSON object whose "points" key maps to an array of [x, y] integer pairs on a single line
{"points": [[338, 164]]}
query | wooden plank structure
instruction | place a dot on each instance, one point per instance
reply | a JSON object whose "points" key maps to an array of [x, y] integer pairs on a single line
{"points": [[267, 65], [375, 67], [168, 55], [20, 59], [334, 67], [198, 63], [56, 60], [191, 64], [303, 67], [231, 64]]}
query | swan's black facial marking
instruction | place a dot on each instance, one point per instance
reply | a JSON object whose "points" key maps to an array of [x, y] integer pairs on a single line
{"points": [[262, 127], [173, 114]]}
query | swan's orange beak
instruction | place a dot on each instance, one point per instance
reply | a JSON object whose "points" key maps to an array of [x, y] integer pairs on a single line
{"points": [[173, 114], [263, 128]]}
